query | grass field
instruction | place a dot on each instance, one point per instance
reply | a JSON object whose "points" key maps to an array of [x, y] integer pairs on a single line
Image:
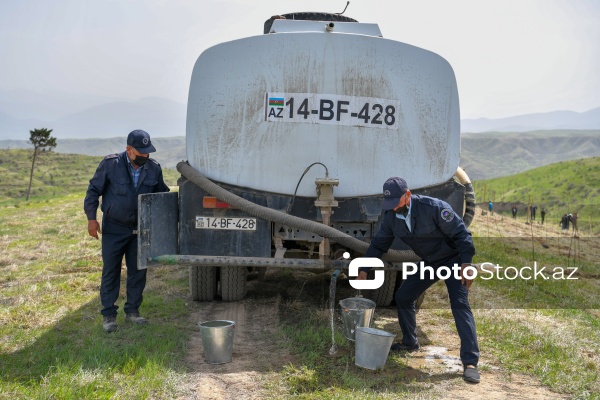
{"points": [[52, 345], [54, 174], [562, 188]]}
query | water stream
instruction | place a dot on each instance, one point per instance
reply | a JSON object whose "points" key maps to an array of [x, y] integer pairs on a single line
{"points": [[332, 285]]}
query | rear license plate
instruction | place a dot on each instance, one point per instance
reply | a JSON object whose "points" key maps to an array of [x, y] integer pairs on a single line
{"points": [[232, 224]]}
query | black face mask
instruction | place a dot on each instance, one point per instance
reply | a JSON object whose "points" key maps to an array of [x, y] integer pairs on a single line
{"points": [[402, 210], [140, 161]]}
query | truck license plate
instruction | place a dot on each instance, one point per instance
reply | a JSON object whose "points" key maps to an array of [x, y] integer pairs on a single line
{"points": [[233, 224], [315, 108]]}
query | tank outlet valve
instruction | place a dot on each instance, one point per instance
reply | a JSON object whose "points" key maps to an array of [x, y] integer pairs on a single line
{"points": [[325, 192], [329, 27]]}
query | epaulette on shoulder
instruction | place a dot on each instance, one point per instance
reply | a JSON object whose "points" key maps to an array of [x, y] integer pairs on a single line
{"points": [[111, 156], [428, 200], [154, 161]]}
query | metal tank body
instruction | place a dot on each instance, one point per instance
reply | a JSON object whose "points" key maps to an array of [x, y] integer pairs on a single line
{"points": [[261, 109]]}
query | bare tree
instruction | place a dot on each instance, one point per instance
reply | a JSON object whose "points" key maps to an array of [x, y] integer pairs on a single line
{"points": [[41, 141]]}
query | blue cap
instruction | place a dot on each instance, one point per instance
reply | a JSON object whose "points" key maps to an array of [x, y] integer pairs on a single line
{"points": [[140, 140], [394, 188]]}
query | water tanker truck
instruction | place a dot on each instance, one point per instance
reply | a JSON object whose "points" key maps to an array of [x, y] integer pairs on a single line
{"points": [[290, 136]]}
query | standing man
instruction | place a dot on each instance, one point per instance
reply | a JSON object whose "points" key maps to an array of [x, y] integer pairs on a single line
{"points": [[543, 214], [439, 236], [119, 179]]}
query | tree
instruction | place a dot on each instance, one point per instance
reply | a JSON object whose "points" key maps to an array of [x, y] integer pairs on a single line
{"points": [[41, 141]]}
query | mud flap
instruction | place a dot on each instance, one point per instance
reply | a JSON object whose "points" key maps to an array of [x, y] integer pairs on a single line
{"points": [[158, 222]]}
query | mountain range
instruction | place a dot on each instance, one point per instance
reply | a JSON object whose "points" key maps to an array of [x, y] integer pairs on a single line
{"points": [[533, 122], [78, 116], [159, 116], [483, 155]]}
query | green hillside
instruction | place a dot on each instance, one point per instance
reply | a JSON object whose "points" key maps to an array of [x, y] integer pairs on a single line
{"points": [[496, 154], [55, 173], [563, 187]]}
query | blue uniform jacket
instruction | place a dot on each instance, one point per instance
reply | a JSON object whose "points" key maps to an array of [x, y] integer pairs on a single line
{"points": [[438, 233], [113, 181]]}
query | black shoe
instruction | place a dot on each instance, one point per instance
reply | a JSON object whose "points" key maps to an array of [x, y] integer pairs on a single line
{"points": [[404, 347], [471, 375], [109, 324], [136, 318]]}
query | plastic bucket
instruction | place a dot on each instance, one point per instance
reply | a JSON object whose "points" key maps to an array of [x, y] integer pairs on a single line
{"points": [[372, 347], [217, 341], [356, 311]]}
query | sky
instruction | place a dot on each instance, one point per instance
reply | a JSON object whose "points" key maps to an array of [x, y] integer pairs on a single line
{"points": [[510, 57]]}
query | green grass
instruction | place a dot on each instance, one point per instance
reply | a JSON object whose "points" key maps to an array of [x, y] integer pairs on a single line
{"points": [[52, 344], [564, 187], [54, 174]]}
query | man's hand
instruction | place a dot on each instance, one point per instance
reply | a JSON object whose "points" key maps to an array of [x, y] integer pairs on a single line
{"points": [[362, 275], [94, 228], [464, 280]]}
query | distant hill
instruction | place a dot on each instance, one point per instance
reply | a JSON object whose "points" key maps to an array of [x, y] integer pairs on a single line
{"points": [[498, 154], [158, 116], [532, 122], [85, 116], [169, 151], [483, 156], [54, 173], [564, 187]]}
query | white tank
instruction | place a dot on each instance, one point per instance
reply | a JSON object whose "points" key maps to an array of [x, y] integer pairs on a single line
{"points": [[262, 109]]}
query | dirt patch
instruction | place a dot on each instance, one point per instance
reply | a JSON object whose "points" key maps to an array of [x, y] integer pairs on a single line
{"points": [[256, 351], [260, 352], [443, 367]]}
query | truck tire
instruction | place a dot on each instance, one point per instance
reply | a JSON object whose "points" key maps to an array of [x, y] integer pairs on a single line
{"points": [[384, 295], [307, 16], [203, 283], [233, 283]]}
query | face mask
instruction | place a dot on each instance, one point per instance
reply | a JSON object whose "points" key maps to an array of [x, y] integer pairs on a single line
{"points": [[401, 210], [140, 161], [403, 204]]}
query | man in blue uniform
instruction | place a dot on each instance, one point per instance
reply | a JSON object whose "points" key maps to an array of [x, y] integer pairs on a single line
{"points": [[119, 179], [440, 238]]}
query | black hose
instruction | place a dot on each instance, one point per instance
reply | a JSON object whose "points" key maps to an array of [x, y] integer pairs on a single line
{"points": [[277, 216]]}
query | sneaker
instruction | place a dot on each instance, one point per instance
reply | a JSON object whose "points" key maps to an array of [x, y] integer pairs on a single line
{"points": [[471, 375], [135, 318], [109, 324], [404, 347]]}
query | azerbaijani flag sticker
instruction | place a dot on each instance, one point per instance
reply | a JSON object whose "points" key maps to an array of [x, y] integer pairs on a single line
{"points": [[275, 101]]}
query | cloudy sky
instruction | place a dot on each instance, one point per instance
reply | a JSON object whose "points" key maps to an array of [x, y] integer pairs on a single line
{"points": [[510, 56]]}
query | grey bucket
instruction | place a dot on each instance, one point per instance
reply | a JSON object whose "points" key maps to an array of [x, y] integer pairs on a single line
{"points": [[217, 341], [372, 347], [356, 311]]}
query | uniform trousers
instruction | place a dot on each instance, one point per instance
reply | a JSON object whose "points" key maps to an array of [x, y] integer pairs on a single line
{"points": [[406, 297], [118, 241]]}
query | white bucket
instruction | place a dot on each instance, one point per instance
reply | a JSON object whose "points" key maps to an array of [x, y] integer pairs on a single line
{"points": [[372, 347]]}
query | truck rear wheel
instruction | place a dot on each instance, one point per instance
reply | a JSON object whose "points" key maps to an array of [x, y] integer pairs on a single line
{"points": [[203, 283], [384, 295], [233, 283]]}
